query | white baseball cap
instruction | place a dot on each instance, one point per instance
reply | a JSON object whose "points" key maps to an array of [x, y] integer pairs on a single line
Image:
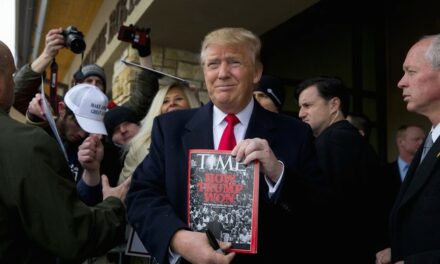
{"points": [[89, 105]]}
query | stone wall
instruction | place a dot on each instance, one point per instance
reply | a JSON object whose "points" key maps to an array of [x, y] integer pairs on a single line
{"points": [[180, 63]]}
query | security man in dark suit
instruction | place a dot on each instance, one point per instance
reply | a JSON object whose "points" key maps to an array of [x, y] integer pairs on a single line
{"points": [[415, 218], [408, 141], [356, 220]]}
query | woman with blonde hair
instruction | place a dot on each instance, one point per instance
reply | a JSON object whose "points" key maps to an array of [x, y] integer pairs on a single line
{"points": [[176, 96]]}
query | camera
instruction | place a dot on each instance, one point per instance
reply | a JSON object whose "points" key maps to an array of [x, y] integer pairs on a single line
{"points": [[74, 39], [133, 35]]}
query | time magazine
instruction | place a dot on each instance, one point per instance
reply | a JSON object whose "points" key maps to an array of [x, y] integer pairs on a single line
{"points": [[223, 197]]}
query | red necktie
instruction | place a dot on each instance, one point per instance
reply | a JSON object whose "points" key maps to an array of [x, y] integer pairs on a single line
{"points": [[227, 142]]}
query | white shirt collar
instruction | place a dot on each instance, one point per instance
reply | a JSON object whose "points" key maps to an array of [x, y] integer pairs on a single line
{"points": [[435, 132], [218, 124], [244, 116]]}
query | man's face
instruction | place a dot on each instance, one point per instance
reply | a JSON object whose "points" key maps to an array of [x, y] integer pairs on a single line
{"points": [[314, 110], [96, 81], [230, 76], [72, 131], [124, 132], [265, 101], [411, 140], [420, 83], [175, 99]]}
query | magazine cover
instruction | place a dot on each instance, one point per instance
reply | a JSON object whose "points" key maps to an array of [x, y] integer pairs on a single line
{"points": [[223, 197]]}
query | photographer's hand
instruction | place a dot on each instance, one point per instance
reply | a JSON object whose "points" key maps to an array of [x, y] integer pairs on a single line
{"points": [[143, 49], [54, 42]]}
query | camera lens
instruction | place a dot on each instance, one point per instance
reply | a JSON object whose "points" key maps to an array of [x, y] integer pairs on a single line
{"points": [[73, 39], [75, 44]]}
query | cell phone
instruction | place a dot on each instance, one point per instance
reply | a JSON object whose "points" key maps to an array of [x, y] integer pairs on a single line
{"points": [[133, 34], [126, 33], [213, 241]]}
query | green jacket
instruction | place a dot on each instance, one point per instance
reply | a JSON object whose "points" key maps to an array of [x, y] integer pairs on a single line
{"points": [[41, 216]]}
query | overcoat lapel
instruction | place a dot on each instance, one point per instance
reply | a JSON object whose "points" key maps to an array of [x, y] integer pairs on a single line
{"points": [[199, 134], [260, 125], [419, 174]]}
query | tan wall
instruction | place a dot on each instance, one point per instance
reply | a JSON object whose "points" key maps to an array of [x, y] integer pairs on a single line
{"points": [[180, 63]]}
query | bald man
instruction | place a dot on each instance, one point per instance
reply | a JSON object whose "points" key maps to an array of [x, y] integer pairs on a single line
{"points": [[41, 218], [415, 217]]}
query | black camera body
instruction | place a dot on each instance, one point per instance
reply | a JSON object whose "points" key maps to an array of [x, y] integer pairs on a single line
{"points": [[74, 39], [133, 34]]}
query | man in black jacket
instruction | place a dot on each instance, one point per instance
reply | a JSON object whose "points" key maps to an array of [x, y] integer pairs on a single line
{"points": [[356, 217]]}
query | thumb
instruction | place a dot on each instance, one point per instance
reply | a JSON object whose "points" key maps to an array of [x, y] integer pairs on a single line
{"points": [[104, 182], [230, 257], [127, 182], [225, 245]]}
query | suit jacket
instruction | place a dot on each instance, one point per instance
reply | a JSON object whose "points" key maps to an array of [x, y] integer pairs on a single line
{"points": [[415, 218], [357, 215], [393, 180], [157, 200], [40, 214]]}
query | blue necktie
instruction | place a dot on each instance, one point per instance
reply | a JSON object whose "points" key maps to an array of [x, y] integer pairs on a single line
{"points": [[404, 171], [427, 146]]}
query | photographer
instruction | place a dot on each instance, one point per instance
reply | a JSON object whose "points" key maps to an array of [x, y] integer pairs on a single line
{"points": [[27, 82], [28, 78]]}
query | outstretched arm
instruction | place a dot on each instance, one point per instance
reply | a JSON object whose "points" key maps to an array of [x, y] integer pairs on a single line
{"points": [[28, 78]]}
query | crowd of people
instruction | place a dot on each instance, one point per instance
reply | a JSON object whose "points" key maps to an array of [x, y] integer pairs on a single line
{"points": [[322, 187]]}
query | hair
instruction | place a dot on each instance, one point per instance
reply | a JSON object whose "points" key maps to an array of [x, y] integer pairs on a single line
{"points": [[361, 122], [433, 52], [7, 68], [402, 129], [5, 55], [228, 35], [328, 88], [138, 147]]}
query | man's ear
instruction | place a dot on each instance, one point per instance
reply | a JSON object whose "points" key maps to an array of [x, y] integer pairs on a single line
{"points": [[61, 109], [258, 72], [399, 141], [335, 104]]}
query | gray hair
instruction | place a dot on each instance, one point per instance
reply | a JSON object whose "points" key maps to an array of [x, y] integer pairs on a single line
{"points": [[433, 52]]}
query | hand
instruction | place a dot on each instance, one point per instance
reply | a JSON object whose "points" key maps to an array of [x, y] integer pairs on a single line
{"points": [[383, 256], [194, 247], [119, 191], [35, 108], [54, 42], [258, 149], [144, 50], [90, 153]]}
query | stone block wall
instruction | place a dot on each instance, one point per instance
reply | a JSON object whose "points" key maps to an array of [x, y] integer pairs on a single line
{"points": [[180, 63]]}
